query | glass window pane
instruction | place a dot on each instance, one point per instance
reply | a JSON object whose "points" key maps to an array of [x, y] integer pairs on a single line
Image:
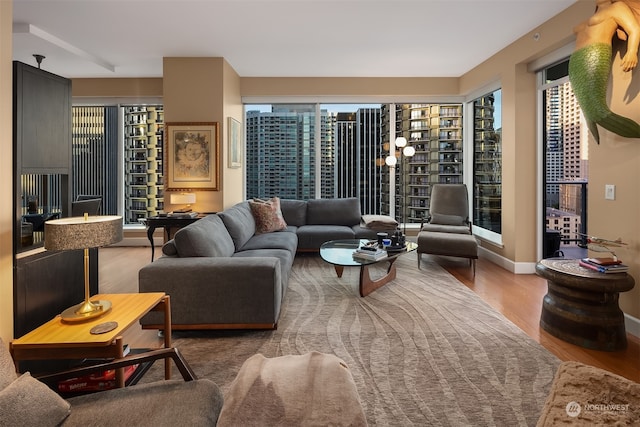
{"points": [[487, 162], [280, 150], [96, 163], [434, 133]]}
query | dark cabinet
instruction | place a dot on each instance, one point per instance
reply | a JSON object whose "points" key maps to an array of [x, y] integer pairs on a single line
{"points": [[42, 151], [42, 103], [45, 282]]}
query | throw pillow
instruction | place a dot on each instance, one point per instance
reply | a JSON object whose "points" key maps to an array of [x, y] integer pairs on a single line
{"points": [[7, 368], [29, 402], [447, 219], [267, 215], [379, 222]]}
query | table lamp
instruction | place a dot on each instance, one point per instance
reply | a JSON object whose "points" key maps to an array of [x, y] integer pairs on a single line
{"points": [[182, 199], [83, 233]]}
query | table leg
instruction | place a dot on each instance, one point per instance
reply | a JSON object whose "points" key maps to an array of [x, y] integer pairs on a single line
{"points": [[339, 270], [167, 335], [367, 285], [120, 355], [150, 231]]}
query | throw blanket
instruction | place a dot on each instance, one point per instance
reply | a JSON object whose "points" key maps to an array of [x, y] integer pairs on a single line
{"points": [[583, 395], [379, 222], [313, 389]]}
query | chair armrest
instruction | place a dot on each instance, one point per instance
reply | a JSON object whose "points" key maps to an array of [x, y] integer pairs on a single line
{"points": [[424, 220], [150, 356]]}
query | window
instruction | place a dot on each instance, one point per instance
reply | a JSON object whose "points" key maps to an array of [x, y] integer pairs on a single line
{"points": [[487, 163], [355, 139], [117, 154]]}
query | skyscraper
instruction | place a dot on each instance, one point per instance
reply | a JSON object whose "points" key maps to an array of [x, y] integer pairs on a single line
{"points": [[281, 152]]}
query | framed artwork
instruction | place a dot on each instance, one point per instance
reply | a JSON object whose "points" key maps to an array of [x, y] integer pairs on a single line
{"points": [[192, 156], [235, 143]]}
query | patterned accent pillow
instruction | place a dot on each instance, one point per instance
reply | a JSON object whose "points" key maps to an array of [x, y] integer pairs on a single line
{"points": [[267, 215]]}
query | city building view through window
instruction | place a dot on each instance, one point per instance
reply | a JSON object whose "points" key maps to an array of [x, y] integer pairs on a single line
{"points": [[566, 166], [304, 151], [351, 159]]}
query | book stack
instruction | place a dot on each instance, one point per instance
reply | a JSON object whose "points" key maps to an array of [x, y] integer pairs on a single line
{"points": [[369, 252], [105, 380], [176, 214], [604, 265]]}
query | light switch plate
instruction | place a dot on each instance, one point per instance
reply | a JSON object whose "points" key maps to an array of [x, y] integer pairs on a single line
{"points": [[610, 192]]}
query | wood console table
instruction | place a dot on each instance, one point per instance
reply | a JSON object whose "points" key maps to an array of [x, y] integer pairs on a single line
{"points": [[581, 306], [58, 340]]}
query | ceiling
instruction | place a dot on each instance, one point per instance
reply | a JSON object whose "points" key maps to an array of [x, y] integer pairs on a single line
{"points": [[273, 38]]}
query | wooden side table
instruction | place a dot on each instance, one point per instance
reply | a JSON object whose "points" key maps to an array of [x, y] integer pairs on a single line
{"points": [[60, 340], [581, 306]]}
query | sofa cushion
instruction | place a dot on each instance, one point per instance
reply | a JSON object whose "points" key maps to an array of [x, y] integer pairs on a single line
{"points": [[313, 236], [239, 222], [280, 240], [294, 211], [344, 211], [443, 219], [28, 402], [207, 237], [361, 232], [267, 215], [440, 228], [169, 248]]}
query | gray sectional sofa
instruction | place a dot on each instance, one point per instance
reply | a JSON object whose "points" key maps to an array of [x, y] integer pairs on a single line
{"points": [[221, 274], [316, 221]]}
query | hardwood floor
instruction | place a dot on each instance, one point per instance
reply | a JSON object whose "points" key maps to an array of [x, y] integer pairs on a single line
{"points": [[517, 296]]}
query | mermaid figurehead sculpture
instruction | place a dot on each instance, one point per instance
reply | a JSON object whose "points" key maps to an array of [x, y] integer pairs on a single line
{"points": [[590, 64]]}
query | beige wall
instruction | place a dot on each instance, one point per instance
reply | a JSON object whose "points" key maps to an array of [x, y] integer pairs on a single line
{"points": [[193, 92], [117, 88], [616, 160], [6, 173], [233, 182], [354, 87]]}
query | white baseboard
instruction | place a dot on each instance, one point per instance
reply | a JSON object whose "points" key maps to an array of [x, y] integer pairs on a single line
{"points": [[507, 264], [632, 325]]}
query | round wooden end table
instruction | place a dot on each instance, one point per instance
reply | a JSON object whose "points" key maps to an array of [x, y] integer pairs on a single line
{"points": [[581, 306]]}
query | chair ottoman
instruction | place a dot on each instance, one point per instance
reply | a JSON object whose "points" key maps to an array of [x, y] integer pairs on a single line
{"points": [[448, 244]]}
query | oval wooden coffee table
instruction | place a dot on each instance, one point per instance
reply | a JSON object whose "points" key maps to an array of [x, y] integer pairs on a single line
{"points": [[340, 254]]}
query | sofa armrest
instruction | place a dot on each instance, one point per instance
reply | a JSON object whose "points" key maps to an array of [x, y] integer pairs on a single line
{"points": [[150, 356], [215, 290], [185, 272]]}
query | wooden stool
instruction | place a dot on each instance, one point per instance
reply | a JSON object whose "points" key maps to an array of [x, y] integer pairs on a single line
{"points": [[581, 306]]}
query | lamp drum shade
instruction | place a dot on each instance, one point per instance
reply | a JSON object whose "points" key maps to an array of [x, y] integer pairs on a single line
{"points": [[182, 198], [82, 232]]}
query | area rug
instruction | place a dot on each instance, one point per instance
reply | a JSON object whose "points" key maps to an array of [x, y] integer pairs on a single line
{"points": [[423, 350]]}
